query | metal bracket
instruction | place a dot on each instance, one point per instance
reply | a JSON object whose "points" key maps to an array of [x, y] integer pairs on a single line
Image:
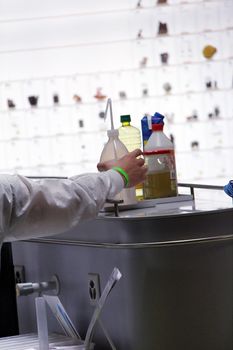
{"points": [[116, 205]]}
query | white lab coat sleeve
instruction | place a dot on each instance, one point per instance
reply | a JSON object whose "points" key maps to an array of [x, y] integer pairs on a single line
{"points": [[34, 208]]}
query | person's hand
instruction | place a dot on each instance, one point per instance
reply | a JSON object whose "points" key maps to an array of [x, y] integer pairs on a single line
{"points": [[131, 164]]}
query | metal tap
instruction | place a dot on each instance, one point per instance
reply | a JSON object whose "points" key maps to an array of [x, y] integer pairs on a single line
{"points": [[38, 287]]}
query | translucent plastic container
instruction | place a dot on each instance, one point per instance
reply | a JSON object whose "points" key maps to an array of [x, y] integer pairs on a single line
{"points": [[159, 156], [131, 138], [115, 149], [128, 134]]}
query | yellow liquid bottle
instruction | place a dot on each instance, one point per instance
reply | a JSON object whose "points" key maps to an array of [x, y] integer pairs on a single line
{"points": [[131, 138], [159, 156]]}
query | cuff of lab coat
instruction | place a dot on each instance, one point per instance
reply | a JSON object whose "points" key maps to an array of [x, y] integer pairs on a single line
{"points": [[116, 179]]}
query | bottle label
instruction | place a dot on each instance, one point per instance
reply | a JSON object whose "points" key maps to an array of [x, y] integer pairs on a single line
{"points": [[161, 175], [159, 151], [161, 160]]}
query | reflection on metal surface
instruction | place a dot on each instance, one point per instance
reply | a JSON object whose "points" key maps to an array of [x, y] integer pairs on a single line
{"points": [[180, 242]]}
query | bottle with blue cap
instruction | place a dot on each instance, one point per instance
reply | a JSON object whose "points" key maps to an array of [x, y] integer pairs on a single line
{"points": [[159, 156]]}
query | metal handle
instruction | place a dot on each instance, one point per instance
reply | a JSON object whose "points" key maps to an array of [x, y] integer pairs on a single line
{"points": [[141, 245]]}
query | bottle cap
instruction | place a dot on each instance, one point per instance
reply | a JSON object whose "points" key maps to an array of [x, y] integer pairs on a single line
{"points": [[157, 127], [157, 118], [112, 132], [125, 118], [228, 189]]}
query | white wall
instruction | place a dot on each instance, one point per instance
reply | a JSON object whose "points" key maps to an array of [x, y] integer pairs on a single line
{"points": [[74, 47]]}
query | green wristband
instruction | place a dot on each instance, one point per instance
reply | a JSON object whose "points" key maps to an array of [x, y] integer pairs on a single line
{"points": [[122, 172]]}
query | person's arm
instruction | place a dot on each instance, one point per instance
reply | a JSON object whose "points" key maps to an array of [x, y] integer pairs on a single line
{"points": [[30, 208]]}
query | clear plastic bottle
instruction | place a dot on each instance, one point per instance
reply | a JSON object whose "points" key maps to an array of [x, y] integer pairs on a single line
{"points": [[128, 134], [131, 138], [159, 156], [113, 150]]}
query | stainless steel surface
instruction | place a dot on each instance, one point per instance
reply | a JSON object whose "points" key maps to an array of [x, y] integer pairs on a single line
{"points": [[176, 260], [191, 207], [163, 244], [144, 204]]}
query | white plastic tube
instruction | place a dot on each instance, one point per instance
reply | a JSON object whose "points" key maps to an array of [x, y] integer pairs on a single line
{"points": [[113, 279], [42, 325]]}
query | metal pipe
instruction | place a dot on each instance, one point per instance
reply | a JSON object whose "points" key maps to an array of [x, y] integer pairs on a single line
{"points": [[207, 187]]}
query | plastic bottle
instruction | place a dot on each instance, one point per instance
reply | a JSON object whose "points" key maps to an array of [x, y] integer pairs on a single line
{"points": [[113, 150], [159, 156], [128, 134], [131, 138], [146, 124]]}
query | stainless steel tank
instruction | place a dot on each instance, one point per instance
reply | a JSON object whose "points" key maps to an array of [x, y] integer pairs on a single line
{"points": [[177, 287]]}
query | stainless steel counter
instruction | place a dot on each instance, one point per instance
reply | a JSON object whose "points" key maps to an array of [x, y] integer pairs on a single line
{"points": [[177, 266]]}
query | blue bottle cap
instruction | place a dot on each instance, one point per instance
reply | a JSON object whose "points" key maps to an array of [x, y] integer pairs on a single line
{"points": [[157, 118], [228, 189], [146, 132]]}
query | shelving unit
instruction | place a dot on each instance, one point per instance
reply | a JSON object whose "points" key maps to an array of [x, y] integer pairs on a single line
{"points": [[78, 47]]}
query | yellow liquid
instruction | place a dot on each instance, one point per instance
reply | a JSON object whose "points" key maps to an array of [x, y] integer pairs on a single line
{"points": [[131, 138], [139, 191], [159, 185]]}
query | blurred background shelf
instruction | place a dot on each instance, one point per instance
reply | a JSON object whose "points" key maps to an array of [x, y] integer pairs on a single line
{"points": [[78, 47]]}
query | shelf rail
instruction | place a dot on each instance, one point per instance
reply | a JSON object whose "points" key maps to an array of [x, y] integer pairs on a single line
{"points": [[192, 187]]}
